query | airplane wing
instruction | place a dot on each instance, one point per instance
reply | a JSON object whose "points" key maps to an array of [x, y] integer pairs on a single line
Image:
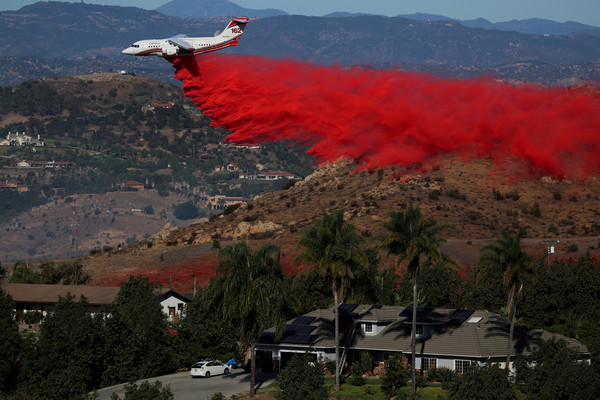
{"points": [[177, 41]]}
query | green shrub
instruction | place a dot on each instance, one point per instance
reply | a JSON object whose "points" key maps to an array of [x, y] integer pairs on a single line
{"points": [[396, 375], [302, 379], [487, 382], [356, 370], [145, 391], [572, 248]]}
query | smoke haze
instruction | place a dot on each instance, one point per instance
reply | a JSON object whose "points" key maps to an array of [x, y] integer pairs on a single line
{"points": [[388, 118]]}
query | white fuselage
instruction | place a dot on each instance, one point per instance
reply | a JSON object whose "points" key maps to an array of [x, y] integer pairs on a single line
{"points": [[162, 47], [182, 45]]}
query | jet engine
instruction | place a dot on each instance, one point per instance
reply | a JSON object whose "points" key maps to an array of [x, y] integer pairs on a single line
{"points": [[169, 51]]}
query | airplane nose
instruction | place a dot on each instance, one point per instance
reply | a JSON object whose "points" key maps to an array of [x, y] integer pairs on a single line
{"points": [[127, 51]]}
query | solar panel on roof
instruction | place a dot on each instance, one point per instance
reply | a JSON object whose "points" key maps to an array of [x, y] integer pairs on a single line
{"points": [[375, 306], [303, 320], [347, 307], [299, 328], [298, 338], [459, 316]]}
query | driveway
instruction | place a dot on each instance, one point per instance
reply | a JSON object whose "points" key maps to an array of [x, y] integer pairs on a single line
{"points": [[184, 387]]}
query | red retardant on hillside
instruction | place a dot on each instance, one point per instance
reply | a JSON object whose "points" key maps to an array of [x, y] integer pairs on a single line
{"points": [[389, 118]]}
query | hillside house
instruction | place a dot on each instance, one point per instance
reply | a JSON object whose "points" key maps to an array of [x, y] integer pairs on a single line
{"points": [[45, 164], [451, 338], [16, 139], [269, 176], [42, 298], [219, 202], [233, 167], [135, 185], [13, 185]]}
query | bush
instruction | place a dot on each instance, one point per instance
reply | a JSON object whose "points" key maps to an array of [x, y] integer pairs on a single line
{"points": [[146, 391], [356, 370], [330, 366], [572, 248], [482, 383], [149, 210], [302, 379], [231, 209], [186, 210], [396, 375]]}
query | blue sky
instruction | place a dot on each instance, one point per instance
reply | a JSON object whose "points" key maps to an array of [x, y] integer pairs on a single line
{"points": [[584, 11]]}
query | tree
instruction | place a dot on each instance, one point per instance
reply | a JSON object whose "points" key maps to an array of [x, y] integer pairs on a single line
{"points": [[254, 292], [202, 326], [554, 370], [65, 362], [9, 343], [302, 379], [22, 274], [335, 249], [506, 254], [135, 335], [416, 241], [186, 210], [482, 383]]}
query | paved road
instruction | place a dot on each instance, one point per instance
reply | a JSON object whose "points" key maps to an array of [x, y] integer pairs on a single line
{"points": [[184, 387]]}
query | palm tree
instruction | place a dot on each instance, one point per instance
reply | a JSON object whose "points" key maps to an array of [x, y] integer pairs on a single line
{"points": [[254, 292], [506, 255], [334, 247], [414, 240]]}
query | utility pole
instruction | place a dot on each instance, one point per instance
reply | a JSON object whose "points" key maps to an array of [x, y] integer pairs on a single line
{"points": [[549, 247]]}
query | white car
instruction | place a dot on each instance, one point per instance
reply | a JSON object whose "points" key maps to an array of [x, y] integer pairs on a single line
{"points": [[207, 368]]}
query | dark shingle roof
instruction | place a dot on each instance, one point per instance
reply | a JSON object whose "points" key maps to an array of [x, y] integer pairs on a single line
{"points": [[468, 333]]}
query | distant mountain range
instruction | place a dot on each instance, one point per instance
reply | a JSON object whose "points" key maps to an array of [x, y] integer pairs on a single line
{"points": [[217, 8], [213, 8], [60, 38]]}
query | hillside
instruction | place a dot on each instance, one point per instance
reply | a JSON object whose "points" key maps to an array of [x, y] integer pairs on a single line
{"points": [[475, 198], [113, 128]]}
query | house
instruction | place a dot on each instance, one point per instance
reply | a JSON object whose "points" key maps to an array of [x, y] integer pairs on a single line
{"points": [[269, 176], [219, 202], [45, 164], [451, 338], [173, 304], [42, 298], [16, 139], [278, 175], [13, 185], [134, 185], [233, 167]]}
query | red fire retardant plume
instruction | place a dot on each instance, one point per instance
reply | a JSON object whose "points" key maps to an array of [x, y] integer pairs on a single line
{"points": [[389, 118]]}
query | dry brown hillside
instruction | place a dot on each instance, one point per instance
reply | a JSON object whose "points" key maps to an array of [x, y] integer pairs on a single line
{"points": [[477, 199]]}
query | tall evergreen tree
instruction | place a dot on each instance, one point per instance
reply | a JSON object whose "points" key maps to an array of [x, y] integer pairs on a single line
{"points": [[335, 248], [415, 241]]}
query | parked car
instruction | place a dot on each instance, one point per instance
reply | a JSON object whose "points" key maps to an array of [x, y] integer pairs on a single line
{"points": [[207, 368]]}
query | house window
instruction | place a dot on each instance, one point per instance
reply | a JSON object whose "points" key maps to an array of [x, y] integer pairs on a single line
{"points": [[419, 330], [461, 366], [427, 363], [368, 327]]}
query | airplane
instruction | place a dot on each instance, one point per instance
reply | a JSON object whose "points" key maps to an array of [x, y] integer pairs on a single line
{"points": [[181, 45]]}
